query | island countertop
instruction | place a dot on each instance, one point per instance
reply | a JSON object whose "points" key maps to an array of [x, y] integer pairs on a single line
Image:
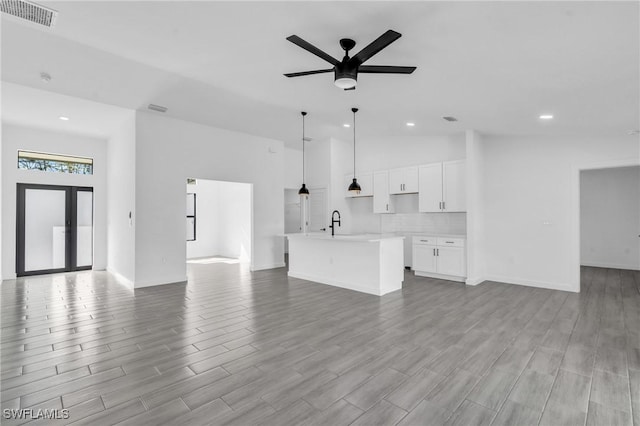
{"points": [[345, 237]]}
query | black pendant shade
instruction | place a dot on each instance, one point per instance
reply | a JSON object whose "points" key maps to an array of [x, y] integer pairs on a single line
{"points": [[355, 186], [303, 189]]}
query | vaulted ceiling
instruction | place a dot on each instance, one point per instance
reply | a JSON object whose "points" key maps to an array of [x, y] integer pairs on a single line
{"points": [[496, 66]]}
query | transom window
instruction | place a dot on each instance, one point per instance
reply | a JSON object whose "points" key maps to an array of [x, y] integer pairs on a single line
{"points": [[29, 160]]}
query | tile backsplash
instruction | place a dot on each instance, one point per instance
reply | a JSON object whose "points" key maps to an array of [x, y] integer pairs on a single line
{"points": [[424, 223]]}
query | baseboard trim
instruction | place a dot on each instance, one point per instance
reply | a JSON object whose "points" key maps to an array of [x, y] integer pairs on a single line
{"points": [[611, 266], [532, 283], [268, 266], [121, 278], [474, 281], [153, 283]]}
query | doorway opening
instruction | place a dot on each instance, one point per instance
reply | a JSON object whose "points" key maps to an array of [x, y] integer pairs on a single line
{"points": [[54, 231], [218, 222]]}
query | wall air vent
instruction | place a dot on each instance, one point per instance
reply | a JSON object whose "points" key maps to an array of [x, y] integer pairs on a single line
{"points": [[449, 118], [30, 11], [158, 108]]}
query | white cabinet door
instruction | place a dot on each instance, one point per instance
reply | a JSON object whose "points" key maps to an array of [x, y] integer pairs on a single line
{"points": [[381, 198], [430, 187], [424, 258], [411, 179], [454, 186], [396, 181], [451, 261]]}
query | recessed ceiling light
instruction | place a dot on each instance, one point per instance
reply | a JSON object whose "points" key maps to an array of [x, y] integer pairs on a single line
{"points": [[346, 125], [546, 117], [410, 124], [63, 118]]}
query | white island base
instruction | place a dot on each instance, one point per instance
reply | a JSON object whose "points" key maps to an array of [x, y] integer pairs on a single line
{"points": [[371, 264]]}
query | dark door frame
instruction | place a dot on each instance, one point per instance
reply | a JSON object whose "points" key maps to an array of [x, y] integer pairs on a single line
{"points": [[71, 216]]}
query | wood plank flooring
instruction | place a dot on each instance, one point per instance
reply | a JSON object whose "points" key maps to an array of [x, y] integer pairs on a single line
{"points": [[242, 348]]}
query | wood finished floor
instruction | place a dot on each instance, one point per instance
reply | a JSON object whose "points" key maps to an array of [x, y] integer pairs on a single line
{"points": [[242, 348]]}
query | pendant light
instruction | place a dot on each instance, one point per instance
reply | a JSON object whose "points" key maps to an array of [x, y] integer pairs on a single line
{"points": [[303, 190], [355, 186]]}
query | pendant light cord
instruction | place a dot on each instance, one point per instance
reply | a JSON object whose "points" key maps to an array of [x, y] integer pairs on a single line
{"points": [[303, 115], [354, 140]]}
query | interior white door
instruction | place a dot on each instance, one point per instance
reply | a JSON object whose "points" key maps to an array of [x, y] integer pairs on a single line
{"points": [[318, 209], [454, 186], [430, 187]]}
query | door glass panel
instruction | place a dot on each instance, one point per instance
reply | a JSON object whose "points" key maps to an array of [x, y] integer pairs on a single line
{"points": [[84, 248], [45, 231]]}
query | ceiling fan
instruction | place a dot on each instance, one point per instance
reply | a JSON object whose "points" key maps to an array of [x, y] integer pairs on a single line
{"points": [[346, 71]]}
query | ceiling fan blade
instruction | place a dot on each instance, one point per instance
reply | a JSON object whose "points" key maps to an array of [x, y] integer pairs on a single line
{"points": [[299, 74], [311, 48], [385, 69], [375, 46], [351, 88]]}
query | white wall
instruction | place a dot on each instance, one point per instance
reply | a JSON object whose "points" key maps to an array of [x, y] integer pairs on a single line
{"points": [[121, 199], [530, 204], [16, 138], [475, 216], [189, 149], [207, 219], [610, 218], [235, 220], [293, 167]]}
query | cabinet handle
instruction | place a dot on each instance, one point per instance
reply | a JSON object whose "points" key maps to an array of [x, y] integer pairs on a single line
{"points": [[437, 252], [444, 205], [387, 207], [449, 242], [425, 241], [434, 252]]}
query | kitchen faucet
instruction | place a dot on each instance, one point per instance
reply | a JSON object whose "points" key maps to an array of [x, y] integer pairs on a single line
{"points": [[333, 221]]}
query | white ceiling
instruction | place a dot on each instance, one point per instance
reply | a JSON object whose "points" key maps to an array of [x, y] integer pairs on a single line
{"points": [[494, 65]]}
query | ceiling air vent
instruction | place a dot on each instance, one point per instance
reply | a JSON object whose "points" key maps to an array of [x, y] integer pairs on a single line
{"points": [[30, 11], [449, 118], [159, 108]]}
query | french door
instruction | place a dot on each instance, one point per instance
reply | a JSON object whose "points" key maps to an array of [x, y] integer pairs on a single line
{"points": [[54, 230]]}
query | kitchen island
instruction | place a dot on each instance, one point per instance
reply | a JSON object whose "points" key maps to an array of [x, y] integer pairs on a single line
{"points": [[369, 263]]}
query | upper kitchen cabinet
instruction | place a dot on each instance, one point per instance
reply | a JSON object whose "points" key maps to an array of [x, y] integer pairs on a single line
{"points": [[442, 187], [366, 183], [382, 202], [403, 180]]}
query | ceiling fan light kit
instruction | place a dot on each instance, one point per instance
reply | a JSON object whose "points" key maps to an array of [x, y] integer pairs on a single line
{"points": [[346, 71]]}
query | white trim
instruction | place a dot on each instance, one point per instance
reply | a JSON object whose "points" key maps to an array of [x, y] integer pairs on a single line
{"points": [[341, 284], [439, 276], [152, 283], [121, 278], [575, 208], [267, 266], [611, 266], [533, 283], [474, 281]]}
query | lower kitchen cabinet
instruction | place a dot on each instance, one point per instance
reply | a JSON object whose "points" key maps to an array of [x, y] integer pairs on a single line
{"points": [[439, 257]]}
